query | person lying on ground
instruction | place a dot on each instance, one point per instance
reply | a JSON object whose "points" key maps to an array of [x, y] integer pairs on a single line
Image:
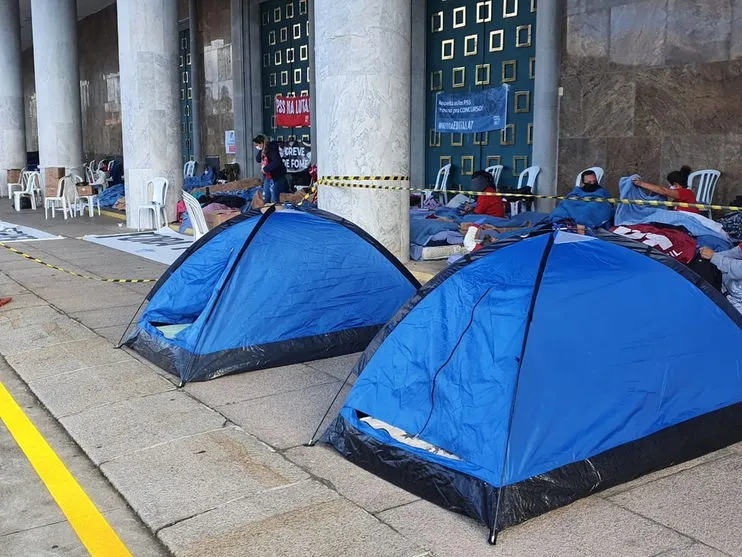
{"points": [[730, 264], [491, 205], [464, 227], [678, 190]]}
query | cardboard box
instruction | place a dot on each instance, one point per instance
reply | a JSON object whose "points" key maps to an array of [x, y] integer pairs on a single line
{"points": [[51, 180], [85, 189], [217, 217], [14, 175]]}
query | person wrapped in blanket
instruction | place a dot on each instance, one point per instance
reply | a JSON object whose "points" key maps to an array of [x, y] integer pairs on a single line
{"points": [[491, 205], [578, 215], [678, 190], [730, 264]]}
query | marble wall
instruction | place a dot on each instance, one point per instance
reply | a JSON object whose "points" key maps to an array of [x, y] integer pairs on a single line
{"points": [[649, 85], [217, 113], [29, 100], [100, 84]]}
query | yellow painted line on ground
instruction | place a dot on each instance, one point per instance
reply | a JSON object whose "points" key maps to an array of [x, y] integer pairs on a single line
{"points": [[91, 527], [113, 214]]}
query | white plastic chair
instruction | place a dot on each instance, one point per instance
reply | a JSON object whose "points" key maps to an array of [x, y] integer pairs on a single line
{"points": [[495, 170], [30, 190], [189, 169], [90, 201], [598, 174], [529, 175], [157, 206], [441, 181], [89, 178], [196, 215], [18, 186], [100, 180], [60, 201], [703, 184]]}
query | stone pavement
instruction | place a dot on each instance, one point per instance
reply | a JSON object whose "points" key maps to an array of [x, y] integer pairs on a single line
{"points": [[31, 524], [219, 468]]}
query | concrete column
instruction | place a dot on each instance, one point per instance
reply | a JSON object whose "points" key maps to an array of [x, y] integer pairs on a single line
{"points": [[362, 60], [418, 93], [12, 123], [54, 27], [546, 98], [148, 63], [240, 96], [196, 81]]}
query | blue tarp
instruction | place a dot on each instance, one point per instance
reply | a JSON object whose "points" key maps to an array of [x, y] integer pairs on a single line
{"points": [[110, 196]]}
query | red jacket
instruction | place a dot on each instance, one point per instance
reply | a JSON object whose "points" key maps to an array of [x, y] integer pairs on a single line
{"points": [[491, 205]]}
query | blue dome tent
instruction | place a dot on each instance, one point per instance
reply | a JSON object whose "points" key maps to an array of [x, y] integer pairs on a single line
{"points": [[535, 372], [264, 290]]}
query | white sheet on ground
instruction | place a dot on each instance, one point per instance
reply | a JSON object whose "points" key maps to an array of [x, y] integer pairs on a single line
{"points": [[10, 232], [404, 437], [163, 245], [171, 331]]}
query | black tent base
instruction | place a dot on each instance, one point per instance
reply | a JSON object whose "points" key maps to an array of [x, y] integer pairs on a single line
{"points": [[537, 495], [190, 367]]}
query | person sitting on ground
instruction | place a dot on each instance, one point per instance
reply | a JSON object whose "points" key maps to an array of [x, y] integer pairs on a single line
{"points": [[590, 181], [678, 190], [490, 205], [730, 264], [269, 157]]}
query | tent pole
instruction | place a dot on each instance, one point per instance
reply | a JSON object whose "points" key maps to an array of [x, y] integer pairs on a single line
{"points": [[312, 440], [529, 320], [493, 536], [133, 317]]}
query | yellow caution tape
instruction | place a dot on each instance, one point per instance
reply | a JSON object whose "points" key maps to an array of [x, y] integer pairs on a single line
{"points": [[369, 178], [73, 273], [325, 181]]}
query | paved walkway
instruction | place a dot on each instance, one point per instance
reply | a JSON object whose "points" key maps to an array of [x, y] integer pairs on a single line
{"points": [[219, 468]]}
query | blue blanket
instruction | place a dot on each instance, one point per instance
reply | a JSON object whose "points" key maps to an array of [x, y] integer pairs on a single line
{"points": [[694, 226], [584, 212], [421, 230], [111, 195], [206, 179], [521, 219], [633, 214]]}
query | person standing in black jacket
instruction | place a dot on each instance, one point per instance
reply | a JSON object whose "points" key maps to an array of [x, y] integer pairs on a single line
{"points": [[269, 157]]}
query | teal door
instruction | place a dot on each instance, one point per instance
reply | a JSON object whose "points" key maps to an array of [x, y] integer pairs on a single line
{"points": [[186, 96], [473, 45], [284, 41]]}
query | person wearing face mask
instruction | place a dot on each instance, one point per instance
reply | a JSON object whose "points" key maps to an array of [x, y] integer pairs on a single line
{"points": [[590, 181], [274, 171], [678, 190]]}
